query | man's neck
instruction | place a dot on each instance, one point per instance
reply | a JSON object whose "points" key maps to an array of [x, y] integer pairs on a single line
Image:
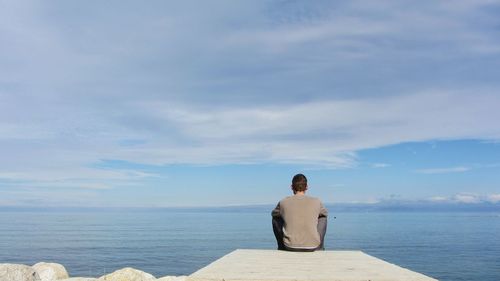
{"points": [[300, 193]]}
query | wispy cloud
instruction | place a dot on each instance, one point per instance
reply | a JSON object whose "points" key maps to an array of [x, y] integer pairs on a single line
{"points": [[380, 165], [438, 199], [467, 198], [493, 198], [459, 169], [461, 198]]}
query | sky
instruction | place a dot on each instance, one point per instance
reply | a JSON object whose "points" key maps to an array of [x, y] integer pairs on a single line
{"points": [[220, 103]]}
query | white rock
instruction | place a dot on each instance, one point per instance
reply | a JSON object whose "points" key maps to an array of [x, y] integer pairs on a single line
{"points": [[127, 274], [17, 272], [172, 278], [49, 271]]}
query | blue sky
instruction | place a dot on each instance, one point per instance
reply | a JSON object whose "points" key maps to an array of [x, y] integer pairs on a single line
{"points": [[195, 103]]}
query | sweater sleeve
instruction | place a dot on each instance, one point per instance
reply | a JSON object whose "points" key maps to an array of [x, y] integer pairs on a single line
{"points": [[276, 211], [323, 212]]}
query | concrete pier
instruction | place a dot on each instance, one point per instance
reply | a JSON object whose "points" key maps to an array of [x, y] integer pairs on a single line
{"points": [[273, 265]]}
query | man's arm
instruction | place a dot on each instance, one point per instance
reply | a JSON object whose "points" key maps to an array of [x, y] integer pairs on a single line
{"points": [[276, 211]]}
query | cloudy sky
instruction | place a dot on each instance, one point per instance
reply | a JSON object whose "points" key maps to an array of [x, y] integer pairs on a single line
{"points": [[196, 103]]}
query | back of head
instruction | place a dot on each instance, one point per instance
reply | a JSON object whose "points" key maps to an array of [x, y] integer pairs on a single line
{"points": [[299, 183]]}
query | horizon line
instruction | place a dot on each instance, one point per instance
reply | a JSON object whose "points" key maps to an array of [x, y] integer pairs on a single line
{"points": [[374, 206]]}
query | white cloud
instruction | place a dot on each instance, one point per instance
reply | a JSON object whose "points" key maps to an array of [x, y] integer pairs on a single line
{"points": [[459, 169], [380, 165], [339, 33], [467, 198], [73, 178], [439, 199], [493, 198], [326, 133]]}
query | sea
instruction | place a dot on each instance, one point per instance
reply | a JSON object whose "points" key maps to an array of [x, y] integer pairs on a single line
{"points": [[178, 241]]}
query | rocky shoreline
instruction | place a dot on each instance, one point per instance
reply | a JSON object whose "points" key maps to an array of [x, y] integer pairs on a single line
{"points": [[44, 271]]}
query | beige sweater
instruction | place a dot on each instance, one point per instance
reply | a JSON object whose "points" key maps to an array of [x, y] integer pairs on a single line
{"points": [[300, 215]]}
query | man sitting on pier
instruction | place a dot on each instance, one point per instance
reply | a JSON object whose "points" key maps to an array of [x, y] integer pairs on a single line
{"points": [[299, 221]]}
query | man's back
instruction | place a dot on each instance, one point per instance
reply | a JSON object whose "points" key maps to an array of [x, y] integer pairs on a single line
{"points": [[300, 215]]}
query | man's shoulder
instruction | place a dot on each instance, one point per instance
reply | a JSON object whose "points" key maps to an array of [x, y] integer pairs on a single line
{"points": [[284, 200], [287, 198], [316, 200]]}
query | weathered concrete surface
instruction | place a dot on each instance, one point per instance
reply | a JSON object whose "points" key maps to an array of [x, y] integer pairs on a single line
{"points": [[267, 265]]}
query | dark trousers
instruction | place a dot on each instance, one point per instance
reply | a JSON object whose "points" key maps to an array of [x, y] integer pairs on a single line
{"points": [[278, 233]]}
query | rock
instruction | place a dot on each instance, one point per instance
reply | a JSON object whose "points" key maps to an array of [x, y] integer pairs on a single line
{"points": [[50, 271], [172, 278], [127, 274], [17, 272], [79, 279]]}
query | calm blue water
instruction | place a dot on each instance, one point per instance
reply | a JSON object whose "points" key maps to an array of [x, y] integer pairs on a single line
{"points": [[448, 246]]}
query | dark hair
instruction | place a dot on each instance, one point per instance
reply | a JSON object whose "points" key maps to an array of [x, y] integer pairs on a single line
{"points": [[299, 183]]}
